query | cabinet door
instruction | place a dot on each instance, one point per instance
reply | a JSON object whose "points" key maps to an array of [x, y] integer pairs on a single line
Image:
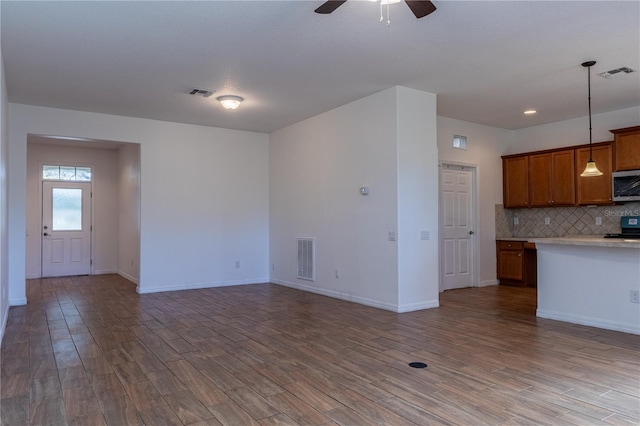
{"points": [[563, 178], [515, 178], [595, 189], [628, 150], [510, 265], [540, 180]]}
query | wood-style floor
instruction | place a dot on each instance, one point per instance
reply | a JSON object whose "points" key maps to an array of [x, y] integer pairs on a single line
{"points": [[91, 351]]}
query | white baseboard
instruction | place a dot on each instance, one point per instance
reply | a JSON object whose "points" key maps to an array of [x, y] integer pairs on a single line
{"points": [[194, 286], [357, 299], [589, 321], [104, 271], [5, 318], [128, 277], [18, 302], [488, 283]]}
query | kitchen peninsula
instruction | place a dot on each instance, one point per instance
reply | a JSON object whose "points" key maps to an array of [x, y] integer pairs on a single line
{"points": [[589, 280]]}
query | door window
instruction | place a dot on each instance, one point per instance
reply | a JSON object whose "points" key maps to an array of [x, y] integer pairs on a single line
{"points": [[66, 209]]}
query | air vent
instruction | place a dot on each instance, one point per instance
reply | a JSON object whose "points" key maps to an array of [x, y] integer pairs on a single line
{"points": [[205, 93], [306, 259], [617, 72]]}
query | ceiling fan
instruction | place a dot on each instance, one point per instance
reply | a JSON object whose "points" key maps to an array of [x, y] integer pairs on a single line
{"points": [[420, 8]]}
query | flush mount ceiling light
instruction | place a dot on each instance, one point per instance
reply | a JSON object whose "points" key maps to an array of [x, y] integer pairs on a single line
{"points": [[230, 101], [591, 169], [530, 111]]}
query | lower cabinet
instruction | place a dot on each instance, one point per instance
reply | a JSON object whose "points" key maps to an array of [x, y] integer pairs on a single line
{"points": [[517, 263]]}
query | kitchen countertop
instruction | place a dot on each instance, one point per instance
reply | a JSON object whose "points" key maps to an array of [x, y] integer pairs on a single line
{"points": [[579, 240]]}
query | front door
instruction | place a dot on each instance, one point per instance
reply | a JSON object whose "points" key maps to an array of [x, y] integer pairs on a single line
{"points": [[457, 231], [66, 228]]}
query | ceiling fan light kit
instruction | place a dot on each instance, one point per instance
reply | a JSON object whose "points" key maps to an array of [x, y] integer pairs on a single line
{"points": [[420, 8]]}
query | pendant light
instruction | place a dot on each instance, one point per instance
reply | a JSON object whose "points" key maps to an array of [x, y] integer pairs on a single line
{"points": [[591, 169]]}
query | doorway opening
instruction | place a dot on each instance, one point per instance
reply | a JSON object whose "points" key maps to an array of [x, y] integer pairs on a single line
{"points": [[87, 194]]}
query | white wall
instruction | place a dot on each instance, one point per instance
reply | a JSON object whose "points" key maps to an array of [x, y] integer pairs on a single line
{"points": [[572, 132], [418, 278], [103, 163], [589, 285], [129, 212], [316, 169], [485, 146], [4, 235], [204, 197]]}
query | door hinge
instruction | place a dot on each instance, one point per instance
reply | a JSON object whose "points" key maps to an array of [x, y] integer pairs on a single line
{"points": [[90, 262]]}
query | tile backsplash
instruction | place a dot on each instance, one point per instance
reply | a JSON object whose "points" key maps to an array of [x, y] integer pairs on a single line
{"points": [[562, 221]]}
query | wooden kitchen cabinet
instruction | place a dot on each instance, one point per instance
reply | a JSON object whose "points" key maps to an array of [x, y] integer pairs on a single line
{"points": [[515, 178], [595, 189], [516, 263], [627, 148], [552, 179]]}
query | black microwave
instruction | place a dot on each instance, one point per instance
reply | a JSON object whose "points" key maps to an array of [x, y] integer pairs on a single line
{"points": [[626, 185]]}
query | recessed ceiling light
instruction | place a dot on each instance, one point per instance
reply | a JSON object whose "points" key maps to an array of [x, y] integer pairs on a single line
{"points": [[530, 111]]}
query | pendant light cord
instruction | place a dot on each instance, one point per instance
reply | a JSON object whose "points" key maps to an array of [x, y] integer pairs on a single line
{"points": [[590, 138]]}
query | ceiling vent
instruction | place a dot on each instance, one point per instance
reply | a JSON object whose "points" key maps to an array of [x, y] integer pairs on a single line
{"points": [[205, 93], [617, 72]]}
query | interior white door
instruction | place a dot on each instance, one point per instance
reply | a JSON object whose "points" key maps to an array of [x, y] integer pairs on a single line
{"points": [[66, 228], [457, 230]]}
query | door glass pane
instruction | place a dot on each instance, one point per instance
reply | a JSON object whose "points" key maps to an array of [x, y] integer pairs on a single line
{"points": [[51, 172], [67, 173], [67, 209]]}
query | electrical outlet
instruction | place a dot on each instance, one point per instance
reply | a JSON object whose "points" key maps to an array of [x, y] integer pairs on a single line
{"points": [[516, 221], [237, 263], [598, 221], [635, 296], [392, 236], [547, 221]]}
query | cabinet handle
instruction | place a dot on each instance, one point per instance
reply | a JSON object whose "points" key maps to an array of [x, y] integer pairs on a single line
{"points": [[519, 254]]}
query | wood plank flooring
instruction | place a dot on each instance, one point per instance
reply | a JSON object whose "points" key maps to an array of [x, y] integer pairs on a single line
{"points": [[91, 351]]}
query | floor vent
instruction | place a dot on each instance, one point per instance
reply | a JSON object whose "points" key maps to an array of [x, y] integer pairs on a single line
{"points": [[306, 259]]}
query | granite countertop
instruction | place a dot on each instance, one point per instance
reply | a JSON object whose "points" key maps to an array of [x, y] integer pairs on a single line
{"points": [[587, 240]]}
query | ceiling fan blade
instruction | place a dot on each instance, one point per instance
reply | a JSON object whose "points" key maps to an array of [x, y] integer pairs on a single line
{"points": [[329, 6], [420, 8]]}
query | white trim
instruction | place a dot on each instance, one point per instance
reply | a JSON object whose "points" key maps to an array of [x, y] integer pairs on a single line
{"points": [[128, 277], [589, 321], [18, 302], [488, 283], [5, 318], [33, 277], [104, 271], [195, 286], [360, 300]]}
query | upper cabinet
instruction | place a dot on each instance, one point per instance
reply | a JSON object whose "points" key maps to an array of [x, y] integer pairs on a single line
{"points": [[552, 179], [594, 189], [515, 178], [627, 148]]}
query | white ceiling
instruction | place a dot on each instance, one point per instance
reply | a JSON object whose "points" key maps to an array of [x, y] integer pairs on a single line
{"points": [[486, 61]]}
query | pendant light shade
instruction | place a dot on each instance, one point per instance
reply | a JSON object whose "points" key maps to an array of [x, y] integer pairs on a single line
{"points": [[591, 169]]}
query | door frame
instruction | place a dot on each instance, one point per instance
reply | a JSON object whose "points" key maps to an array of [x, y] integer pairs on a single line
{"points": [[41, 206], [475, 219]]}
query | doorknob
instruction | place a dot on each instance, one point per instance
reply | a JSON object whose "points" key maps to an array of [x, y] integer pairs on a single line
{"points": [[46, 234], [471, 232]]}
